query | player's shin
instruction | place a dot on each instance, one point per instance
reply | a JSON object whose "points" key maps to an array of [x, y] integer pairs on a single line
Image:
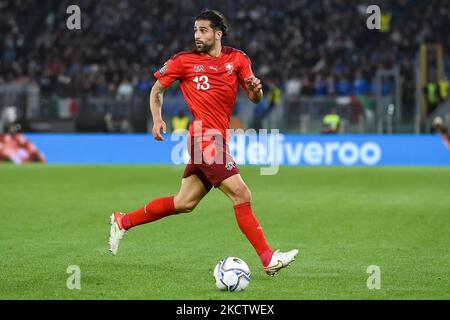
{"points": [[251, 228], [155, 210]]}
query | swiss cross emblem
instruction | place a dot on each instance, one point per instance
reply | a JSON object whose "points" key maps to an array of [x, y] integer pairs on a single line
{"points": [[229, 67]]}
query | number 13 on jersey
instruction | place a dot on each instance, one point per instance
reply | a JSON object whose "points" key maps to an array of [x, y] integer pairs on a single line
{"points": [[202, 83]]}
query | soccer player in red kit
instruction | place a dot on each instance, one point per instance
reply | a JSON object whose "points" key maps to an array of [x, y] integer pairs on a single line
{"points": [[209, 78]]}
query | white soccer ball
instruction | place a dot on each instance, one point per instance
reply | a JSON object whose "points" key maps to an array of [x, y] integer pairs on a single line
{"points": [[232, 274]]}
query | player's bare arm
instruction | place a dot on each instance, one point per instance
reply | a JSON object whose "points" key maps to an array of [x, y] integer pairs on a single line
{"points": [[254, 87], [156, 101]]}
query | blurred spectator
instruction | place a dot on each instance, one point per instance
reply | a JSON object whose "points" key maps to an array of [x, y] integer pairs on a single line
{"points": [[180, 123], [260, 112], [125, 90], [109, 122], [432, 96], [331, 85], [343, 87], [444, 89], [101, 87], [293, 87], [386, 20], [144, 85], [273, 95], [360, 85], [307, 88], [320, 86], [331, 122], [9, 120], [387, 87], [368, 108], [439, 128]]}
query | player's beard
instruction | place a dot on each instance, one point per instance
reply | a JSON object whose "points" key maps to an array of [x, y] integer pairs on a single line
{"points": [[205, 47]]}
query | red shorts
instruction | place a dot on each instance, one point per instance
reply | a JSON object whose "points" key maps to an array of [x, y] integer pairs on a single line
{"points": [[210, 161]]}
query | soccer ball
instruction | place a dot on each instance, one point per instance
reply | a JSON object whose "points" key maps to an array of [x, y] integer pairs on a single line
{"points": [[231, 274]]}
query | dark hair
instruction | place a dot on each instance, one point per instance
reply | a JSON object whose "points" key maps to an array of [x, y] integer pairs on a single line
{"points": [[217, 20]]}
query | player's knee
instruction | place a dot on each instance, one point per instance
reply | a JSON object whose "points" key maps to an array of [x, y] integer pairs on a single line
{"points": [[185, 206], [247, 196], [242, 194], [189, 207]]}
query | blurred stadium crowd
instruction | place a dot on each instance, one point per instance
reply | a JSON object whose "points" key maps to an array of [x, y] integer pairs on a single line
{"points": [[305, 46]]}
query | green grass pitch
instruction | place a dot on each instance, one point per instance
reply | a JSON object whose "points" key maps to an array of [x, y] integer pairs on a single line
{"points": [[342, 220]]}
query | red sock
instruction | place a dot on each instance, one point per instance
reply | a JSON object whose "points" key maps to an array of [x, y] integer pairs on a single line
{"points": [[155, 210], [250, 226]]}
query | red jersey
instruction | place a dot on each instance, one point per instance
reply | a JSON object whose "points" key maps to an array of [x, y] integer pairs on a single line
{"points": [[209, 85]]}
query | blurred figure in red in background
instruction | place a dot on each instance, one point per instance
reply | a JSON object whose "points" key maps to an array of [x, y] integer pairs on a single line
{"points": [[14, 146], [18, 149]]}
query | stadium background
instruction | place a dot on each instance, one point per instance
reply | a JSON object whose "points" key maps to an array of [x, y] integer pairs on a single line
{"points": [[82, 97], [310, 55]]}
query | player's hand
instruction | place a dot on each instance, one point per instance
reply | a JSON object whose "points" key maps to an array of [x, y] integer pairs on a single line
{"points": [[253, 84], [156, 131]]}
